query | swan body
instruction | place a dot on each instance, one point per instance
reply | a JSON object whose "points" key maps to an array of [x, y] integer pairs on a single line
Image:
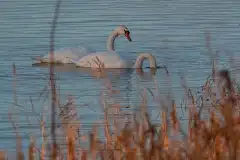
{"points": [[103, 60], [68, 56], [113, 60]]}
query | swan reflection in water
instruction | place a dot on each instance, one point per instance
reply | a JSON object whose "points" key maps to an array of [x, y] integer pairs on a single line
{"points": [[116, 87]]}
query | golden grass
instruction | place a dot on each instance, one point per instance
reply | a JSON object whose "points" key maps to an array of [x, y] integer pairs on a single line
{"points": [[215, 138]]}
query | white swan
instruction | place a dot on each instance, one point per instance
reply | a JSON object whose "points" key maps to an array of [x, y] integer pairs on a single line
{"points": [[112, 60], [68, 56]]}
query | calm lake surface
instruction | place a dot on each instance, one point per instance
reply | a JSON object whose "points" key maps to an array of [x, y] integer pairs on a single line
{"points": [[173, 31]]}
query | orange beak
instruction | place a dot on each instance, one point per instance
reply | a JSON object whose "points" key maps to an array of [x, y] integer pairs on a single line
{"points": [[127, 35]]}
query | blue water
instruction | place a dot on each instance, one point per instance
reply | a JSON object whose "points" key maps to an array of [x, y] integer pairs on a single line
{"points": [[173, 31]]}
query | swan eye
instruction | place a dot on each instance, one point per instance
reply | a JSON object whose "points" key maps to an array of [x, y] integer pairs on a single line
{"points": [[127, 32]]}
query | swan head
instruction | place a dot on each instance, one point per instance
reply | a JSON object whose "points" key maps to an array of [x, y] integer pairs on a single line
{"points": [[123, 30]]}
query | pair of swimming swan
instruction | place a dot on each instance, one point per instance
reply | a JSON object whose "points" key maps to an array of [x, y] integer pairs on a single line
{"points": [[109, 59]]}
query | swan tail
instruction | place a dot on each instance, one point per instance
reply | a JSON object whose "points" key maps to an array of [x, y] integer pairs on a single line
{"points": [[67, 60], [72, 60], [39, 59]]}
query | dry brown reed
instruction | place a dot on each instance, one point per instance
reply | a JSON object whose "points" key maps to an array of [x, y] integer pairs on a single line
{"points": [[213, 139], [52, 77], [2, 155]]}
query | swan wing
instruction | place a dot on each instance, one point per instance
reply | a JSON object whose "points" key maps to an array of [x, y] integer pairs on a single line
{"points": [[65, 56]]}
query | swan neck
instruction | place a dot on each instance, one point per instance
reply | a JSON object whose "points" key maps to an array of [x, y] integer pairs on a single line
{"points": [[110, 42], [142, 57]]}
